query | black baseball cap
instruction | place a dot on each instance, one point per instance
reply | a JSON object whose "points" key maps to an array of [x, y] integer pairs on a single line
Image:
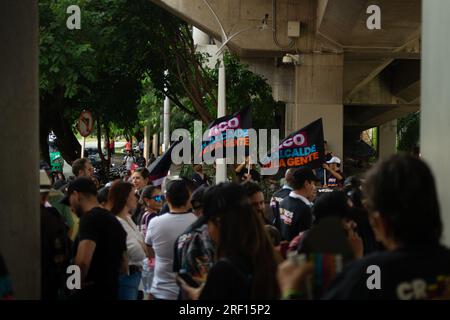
{"points": [[82, 184], [304, 174]]}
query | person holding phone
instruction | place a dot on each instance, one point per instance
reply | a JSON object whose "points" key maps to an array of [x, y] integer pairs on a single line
{"points": [[246, 265]]}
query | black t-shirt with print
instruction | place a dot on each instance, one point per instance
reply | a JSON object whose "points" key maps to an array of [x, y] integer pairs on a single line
{"points": [[295, 217], [275, 201], [333, 182], [405, 274], [102, 227]]}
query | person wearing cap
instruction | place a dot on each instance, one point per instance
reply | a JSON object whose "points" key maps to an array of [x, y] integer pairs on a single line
{"points": [[334, 177], [194, 250], [295, 210], [100, 248], [55, 244]]}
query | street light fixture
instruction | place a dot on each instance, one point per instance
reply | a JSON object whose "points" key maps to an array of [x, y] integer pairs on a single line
{"points": [[221, 171]]}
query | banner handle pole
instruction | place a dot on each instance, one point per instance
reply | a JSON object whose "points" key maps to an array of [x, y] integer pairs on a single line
{"points": [[83, 147]]}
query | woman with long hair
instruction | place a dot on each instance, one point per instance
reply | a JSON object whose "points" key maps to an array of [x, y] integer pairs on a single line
{"points": [[246, 266], [121, 201], [139, 179]]}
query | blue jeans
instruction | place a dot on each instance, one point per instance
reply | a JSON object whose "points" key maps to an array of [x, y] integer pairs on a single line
{"points": [[129, 285]]}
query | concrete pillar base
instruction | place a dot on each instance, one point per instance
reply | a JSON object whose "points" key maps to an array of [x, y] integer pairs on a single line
{"points": [[387, 139]]}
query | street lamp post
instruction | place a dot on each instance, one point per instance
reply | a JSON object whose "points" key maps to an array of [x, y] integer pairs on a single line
{"points": [[221, 169]]}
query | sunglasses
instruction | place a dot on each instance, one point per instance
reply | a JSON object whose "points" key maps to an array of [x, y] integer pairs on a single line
{"points": [[159, 198]]}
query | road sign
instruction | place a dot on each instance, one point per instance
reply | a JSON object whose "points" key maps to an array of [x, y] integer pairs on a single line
{"points": [[85, 123]]}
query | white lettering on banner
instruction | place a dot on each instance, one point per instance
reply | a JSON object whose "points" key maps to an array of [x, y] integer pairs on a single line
{"points": [[223, 126], [299, 140], [374, 281]]}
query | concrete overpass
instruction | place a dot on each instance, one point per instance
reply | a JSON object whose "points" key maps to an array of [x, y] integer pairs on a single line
{"points": [[353, 77]]}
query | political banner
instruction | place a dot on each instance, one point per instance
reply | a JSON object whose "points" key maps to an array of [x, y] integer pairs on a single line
{"points": [[303, 148], [217, 138]]}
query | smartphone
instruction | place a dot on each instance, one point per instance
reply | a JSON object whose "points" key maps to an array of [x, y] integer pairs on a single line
{"points": [[188, 279]]}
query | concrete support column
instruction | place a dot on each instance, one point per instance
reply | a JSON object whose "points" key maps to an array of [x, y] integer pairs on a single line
{"points": [[318, 94], [199, 37], [166, 135], [221, 167], [435, 113], [19, 103], [147, 141], [155, 145], [387, 139]]}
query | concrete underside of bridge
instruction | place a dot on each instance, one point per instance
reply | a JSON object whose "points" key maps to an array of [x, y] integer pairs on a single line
{"points": [[352, 77]]}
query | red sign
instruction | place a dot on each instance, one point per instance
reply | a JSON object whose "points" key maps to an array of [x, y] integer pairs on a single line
{"points": [[85, 123]]}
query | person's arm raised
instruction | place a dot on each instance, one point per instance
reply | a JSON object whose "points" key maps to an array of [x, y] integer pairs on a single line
{"points": [[334, 173]]}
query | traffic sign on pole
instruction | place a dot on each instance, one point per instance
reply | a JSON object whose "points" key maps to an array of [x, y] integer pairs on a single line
{"points": [[85, 123], [85, 127]]}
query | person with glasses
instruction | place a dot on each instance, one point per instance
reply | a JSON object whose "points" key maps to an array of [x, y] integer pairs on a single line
{"points": [[152, 200]]}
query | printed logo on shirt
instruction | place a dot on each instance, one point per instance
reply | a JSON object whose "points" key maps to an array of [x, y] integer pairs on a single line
{"points": [[183, 238], [433, 288], [286, 216]]}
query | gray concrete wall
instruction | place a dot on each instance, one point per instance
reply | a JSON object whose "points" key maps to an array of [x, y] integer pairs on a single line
{"points": [[19, 187], [318, 94], [387, 142], [435, 121]]}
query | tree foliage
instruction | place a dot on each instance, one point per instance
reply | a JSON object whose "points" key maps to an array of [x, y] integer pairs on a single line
{"points": [[408, 132], [116, 65]]}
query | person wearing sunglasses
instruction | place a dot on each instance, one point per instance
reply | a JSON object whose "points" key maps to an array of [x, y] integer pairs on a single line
{"points": [[152, 200]]}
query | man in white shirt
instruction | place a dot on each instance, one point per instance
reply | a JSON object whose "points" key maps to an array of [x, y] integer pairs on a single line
{"points": [[129, 160], [162, 233]]}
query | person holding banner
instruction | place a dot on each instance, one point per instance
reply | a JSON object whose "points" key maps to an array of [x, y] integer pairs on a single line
{"points": [[295, 210], [335, 179], [247, 172]]}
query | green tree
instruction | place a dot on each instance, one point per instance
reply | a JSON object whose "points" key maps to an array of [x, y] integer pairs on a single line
{"points": [[408, 132]]}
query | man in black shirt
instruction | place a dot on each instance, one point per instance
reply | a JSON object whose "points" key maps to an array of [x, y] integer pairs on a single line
{"points": [[100, 247], [279, 195], [55, 245], [295, 210], [406, 218]]}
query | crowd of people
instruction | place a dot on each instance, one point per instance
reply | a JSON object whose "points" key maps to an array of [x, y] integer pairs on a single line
{"points": [[191, 240]]}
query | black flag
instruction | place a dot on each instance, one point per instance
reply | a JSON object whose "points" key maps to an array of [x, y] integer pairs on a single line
{"points": [[161, 166], [303, 148], [217, 139]]}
